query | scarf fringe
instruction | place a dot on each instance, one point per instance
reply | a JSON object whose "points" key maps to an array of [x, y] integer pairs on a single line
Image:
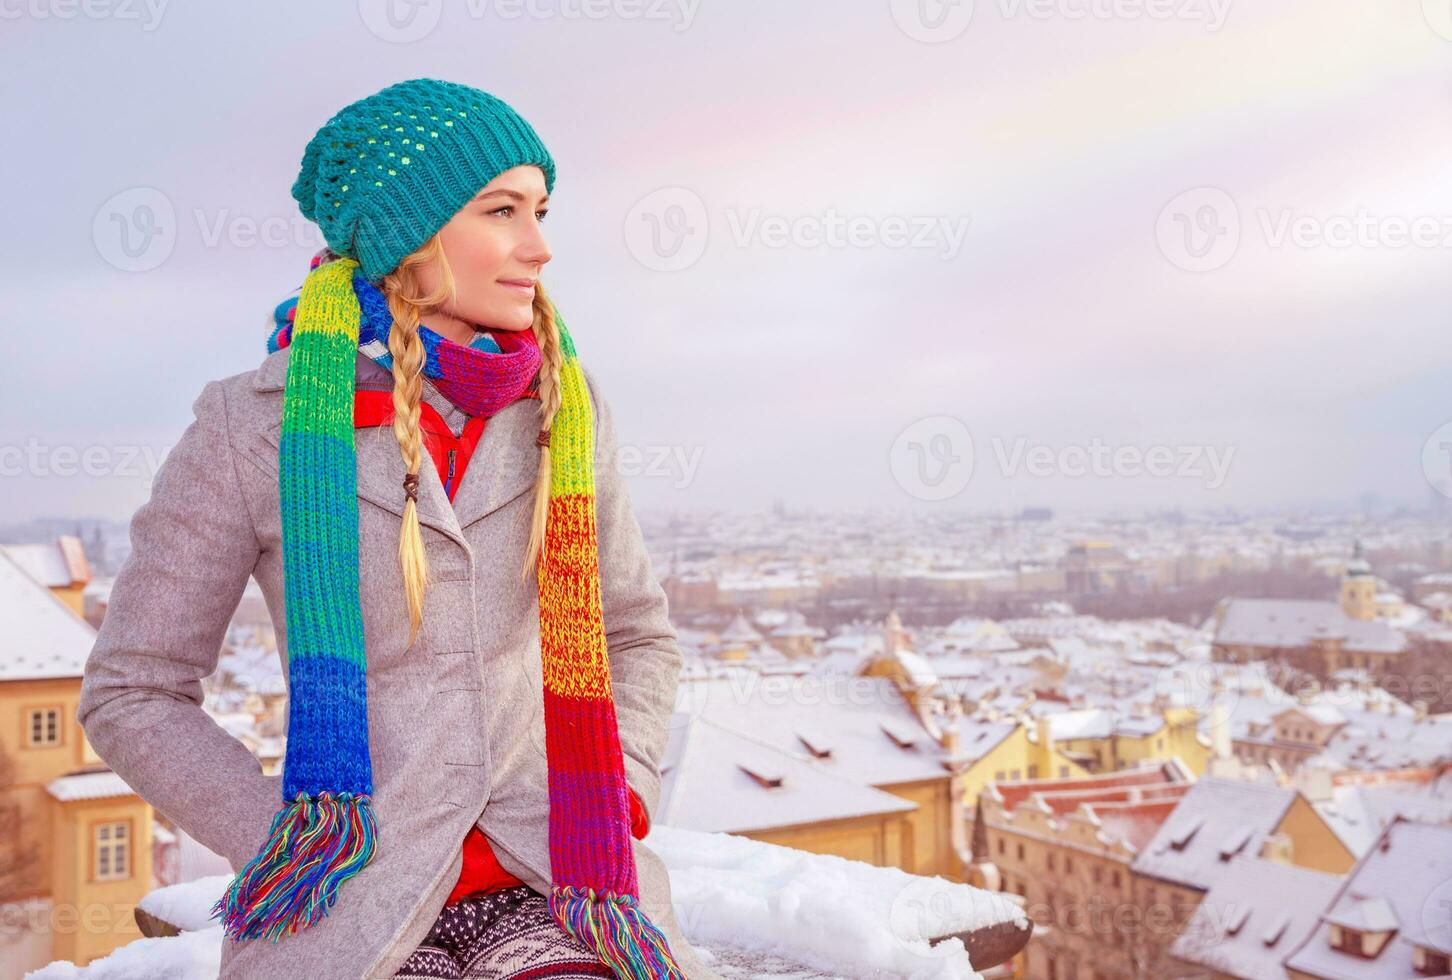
{"points": [[617, 930], [314, 846]]}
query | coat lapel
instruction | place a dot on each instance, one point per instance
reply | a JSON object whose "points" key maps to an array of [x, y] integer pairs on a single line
{"points": [[503, 465]]}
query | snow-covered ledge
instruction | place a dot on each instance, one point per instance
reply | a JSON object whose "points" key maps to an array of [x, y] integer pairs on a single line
{"points": [[750, 909]]}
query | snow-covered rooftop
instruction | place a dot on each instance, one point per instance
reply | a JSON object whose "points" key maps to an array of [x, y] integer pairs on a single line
{"points": [[1254, 914], [88, 786], [1216, 820], [1403, 883], [43, 637]]}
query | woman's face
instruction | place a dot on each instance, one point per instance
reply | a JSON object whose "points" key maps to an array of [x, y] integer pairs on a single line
{"points": [[495, 248]]}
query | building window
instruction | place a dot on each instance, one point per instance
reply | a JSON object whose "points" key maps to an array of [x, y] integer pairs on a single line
{"points": [[1033, 772], [1114, 877], [43, 727], [111, 850], [1063, 772], [1020, 852], [1050, 859], [1068, 865], [1001, 847]]}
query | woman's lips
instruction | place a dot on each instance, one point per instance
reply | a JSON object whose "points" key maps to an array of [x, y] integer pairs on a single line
{"points": [[524, 287]]}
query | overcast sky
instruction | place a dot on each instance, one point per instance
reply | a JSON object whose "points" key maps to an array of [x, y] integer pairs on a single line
{"points": [[1089, 254]]}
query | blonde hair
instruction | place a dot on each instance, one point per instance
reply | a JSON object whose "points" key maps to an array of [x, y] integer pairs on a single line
{"points": [[408, 304]]}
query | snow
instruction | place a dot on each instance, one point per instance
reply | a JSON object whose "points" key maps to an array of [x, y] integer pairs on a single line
{"points": [[188, 906], [189, 956], [846, 918], [750, 908]]}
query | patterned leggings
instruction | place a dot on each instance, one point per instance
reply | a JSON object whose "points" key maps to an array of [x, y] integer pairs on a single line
{"points": [[503, 935]]}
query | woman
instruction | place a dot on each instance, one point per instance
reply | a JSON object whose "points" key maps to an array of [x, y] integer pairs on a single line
{"points": [[480, 664]]}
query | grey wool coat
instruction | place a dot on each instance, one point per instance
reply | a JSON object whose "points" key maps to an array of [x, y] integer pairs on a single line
{"points": [[456, 724]]}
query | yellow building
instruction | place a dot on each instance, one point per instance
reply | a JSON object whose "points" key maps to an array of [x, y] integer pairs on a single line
{"points": [[77, 841], [1106, 740], [874, 765]]}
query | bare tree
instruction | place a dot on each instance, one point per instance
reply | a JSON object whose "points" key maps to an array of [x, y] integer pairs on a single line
{"points": [[19, 858]]}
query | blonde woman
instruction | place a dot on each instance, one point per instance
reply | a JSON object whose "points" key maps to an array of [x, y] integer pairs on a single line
{"points": [[420, 476]]}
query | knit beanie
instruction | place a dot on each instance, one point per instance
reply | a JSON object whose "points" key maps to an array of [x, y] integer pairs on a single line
{"points": [[386, 172]]}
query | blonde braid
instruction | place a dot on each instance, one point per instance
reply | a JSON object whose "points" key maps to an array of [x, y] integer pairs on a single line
{"points": [[551, 362], [407, 349]]}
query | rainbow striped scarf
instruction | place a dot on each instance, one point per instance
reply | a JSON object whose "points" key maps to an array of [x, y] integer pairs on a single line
{"points": [[326, 831]]}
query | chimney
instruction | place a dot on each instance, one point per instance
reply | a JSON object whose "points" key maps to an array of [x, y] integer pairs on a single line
{"points": [[1220, 729], [1046, 738], [1315, 784]]}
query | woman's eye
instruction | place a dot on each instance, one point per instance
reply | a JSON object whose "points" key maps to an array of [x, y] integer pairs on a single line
{"points": [[508, 210]]}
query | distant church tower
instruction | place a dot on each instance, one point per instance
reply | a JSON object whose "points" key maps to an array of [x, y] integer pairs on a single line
{"points": [[894, 637], [982, 872], [1358, 587]]}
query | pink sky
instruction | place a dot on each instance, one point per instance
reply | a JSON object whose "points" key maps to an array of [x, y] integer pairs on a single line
{"points": [[788, 371]]}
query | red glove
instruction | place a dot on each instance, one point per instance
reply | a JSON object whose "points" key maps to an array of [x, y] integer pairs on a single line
{"points": [[639, 820]]}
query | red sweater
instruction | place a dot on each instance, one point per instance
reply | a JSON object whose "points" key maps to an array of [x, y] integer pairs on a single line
{"points": [[482, 871]]}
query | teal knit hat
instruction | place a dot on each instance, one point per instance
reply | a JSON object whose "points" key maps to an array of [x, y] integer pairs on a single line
{"points": [[388, 171]]}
